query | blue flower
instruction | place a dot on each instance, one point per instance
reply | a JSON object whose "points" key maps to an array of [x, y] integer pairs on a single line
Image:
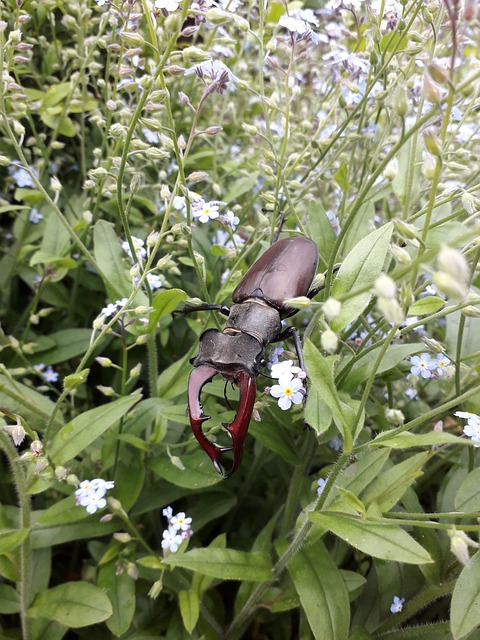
{"points": [[423, 365], [397, 604]]}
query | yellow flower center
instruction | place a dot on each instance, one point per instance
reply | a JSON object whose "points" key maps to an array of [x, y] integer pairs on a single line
{"points": [[288, 391]]}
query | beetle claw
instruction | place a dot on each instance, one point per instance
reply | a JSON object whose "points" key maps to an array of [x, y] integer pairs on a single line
{"points": [[237, 429]]}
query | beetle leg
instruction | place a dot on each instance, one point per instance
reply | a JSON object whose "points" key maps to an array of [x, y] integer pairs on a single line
{"points": [[237, 429], [293, 333]]}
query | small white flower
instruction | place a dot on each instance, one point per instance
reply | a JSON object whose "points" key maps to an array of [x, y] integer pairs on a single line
{"points": [[442, 364], [284, 368], [22, 178], [49, 375], [423, 365], [472, 428], [231, 219], [287, 391], [171, 540], [397, 604], [112, 308], [154, 281], [180, 522], [168, 512], [168, 5], [138, 243], [321, 482], [294, 25], [35, 216], [205, 212]]}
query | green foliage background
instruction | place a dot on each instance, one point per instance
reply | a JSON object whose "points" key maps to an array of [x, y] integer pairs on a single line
{"points": [[358, 129]]}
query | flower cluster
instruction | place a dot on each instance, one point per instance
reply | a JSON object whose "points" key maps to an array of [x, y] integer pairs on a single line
{"points": [[427, 367], [290, 386], [472, 428], [90, 494], [179, 529]]}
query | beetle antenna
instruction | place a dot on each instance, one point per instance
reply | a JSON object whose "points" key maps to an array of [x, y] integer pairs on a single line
{"points": [[225, 396], [280, 226]]}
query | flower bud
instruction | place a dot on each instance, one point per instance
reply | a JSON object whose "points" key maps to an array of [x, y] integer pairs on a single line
{"points": [[459, 543], [195, 54], [394, 416], [197, 176], [391, 310], [61, 473], [470, 203], [133, 39], [72, 480], [331, 308], [217, 16], [449, 285], [406, 230], [300, 302], [107, 391], [400, 102], [122, 537], [74, 380], [438, 73], [471, 312], [391, 170], [384, 286], [400, 254], [429, 166], [432, 143], [104, 362], [135, 371], [213, 130], [432, 92], [329, 341], [454, 263], [155, 590]]}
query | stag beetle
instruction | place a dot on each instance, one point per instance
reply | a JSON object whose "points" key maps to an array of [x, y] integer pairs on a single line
{"points": [[286, 270]]}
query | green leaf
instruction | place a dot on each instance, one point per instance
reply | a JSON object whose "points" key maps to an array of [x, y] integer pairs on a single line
{"points": [[11, 539], [322, 592], [363, 367], [74, 604], [225, 564], [358, 272], [173, 381], [189, 608], [378, 539], [277, 439], [426, 306], [164, 303], [75, 436], [62, 512], [408, 440], [66, 126], [67, 344], [465, 608], [56, 93], [318, 414], [238, 187], [320, 369], [468, 494], [198, 472], [120, 589], [109, 257], [341, 177], [408, 181], [9, 599], [389, 487], [360, 226], [319, 228], [35, 408]]}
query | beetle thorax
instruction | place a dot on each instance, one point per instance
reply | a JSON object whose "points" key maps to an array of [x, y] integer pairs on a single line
{"points": [[230, 352], [256, 318]]}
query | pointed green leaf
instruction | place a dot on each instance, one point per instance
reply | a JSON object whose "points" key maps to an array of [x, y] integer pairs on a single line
{"points": [[468, 494], [408, 440], [198, 471], [9, 599], [11, 539], [225, 564], [87, 427], [378, 539], [164, 303], [110, 259], [358, 272], [426, 306], [189, 608], [322, 592], [120, 589], [319, 228], [74, 604], [465, 609]]}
